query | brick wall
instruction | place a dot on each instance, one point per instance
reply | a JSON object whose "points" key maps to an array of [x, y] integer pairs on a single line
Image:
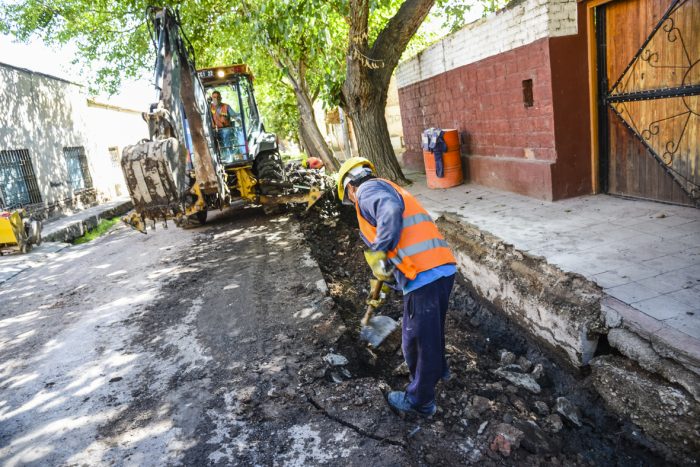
{"points": [[517, 25], [473, 81]]}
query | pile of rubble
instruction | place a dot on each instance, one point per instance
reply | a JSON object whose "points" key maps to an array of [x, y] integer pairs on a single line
{"points": [[506, 400], [302, 178]]}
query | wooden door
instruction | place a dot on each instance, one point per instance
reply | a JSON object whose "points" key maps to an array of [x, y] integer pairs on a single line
{"points": [[649, 73]]}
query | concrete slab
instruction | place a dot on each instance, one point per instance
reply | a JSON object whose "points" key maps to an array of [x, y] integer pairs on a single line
{"points": [[644, 254]]}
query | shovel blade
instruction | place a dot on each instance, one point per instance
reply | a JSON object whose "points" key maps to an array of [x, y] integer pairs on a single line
{"points": [[378, 329]]}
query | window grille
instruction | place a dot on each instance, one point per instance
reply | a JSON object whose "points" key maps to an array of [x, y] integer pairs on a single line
{"points": [[18, 185], [78, 173]]}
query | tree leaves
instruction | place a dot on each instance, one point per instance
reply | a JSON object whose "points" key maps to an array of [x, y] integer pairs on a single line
{"points": [[279, 39]]}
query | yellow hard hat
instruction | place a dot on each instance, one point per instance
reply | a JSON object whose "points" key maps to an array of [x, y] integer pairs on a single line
{"points": [[347, 166]]}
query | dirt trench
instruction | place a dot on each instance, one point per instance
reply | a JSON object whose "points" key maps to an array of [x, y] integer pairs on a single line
{"points": [[483, 418]]}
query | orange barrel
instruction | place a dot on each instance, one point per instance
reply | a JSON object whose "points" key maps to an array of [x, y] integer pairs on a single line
{"points": [[451, 161], [451, 139]]}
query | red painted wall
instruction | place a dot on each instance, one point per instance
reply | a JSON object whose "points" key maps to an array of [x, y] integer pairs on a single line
{"points": [[572, 173], [541, 151]]}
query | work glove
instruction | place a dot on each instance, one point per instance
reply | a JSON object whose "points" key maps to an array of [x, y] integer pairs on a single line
{"points": [[382, 294], [381, 267]]}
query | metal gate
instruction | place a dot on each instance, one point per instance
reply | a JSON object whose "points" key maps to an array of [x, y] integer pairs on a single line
{"points": [[78, 172], [18, 186], [649, 81]]}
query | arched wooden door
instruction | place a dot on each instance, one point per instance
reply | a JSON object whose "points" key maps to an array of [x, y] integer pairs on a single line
{"points": [[649, 81]]}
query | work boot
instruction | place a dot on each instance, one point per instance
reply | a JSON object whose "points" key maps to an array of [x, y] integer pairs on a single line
{"points": [[398, 400]]}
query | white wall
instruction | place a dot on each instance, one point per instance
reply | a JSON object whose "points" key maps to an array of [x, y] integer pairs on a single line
{"points": [[333, 132], [110, 129], [392, 113], [44, 114], [500, 32]]}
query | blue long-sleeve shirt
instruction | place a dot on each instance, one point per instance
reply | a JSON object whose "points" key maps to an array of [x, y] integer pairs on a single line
{"points": [[382, 206]]}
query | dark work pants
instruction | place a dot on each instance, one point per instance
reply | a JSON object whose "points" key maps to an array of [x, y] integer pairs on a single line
{"points": [[423, 331]]}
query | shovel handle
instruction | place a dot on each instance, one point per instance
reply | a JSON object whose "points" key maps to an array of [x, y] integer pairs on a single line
{"points": [[374, 295]]}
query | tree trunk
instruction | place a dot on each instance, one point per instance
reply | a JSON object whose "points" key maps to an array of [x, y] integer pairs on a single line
{"points": [[367, 76], [372, 136], [313, 139], [303, 145]]}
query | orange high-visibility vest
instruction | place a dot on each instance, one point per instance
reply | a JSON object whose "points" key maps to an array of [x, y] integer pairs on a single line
{"points": [[420, 247], [221, 118]]}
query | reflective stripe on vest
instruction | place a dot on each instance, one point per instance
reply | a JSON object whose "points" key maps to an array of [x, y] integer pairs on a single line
{"points": [[416, 219], [425, 245], [420, 246]]}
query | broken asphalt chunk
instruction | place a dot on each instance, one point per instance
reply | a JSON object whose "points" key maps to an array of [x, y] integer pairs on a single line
{"points": [[535, 440], [506, 357], [334, 359], [521, 380], [507, 439], [401, 370], [568, 410]]}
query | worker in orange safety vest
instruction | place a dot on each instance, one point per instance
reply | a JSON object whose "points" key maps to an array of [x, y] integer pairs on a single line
{"points": [[222, 114], [405, 246]]}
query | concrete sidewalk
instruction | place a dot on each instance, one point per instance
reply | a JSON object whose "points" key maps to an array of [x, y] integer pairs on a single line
{"points": [[68, 228], [58, 233], [645, 256]]}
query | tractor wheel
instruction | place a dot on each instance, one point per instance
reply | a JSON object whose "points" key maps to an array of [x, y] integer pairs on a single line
{"points": [[34, 232], [268, 166]]}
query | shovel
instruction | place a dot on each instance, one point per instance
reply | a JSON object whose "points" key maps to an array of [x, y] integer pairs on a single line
{"points": [[375, 329]]}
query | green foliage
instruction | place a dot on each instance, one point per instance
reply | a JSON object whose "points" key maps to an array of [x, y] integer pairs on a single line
{"points": [[278, 108], [491, 6], [112, 33], [452, 12], [287, 43], [101, 229]]}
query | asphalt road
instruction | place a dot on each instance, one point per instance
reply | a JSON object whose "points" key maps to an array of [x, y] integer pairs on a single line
{"points": [[176, 347], [206, 347]]}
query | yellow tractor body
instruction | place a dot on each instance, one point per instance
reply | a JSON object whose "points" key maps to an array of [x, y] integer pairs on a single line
{"points": [[18, 232]]}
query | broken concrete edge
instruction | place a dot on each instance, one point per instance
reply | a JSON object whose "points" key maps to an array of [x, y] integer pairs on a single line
{"points": [[568, 314], [666, 341], [72, 230], [667, 415], [559, 309], [655, 346]]}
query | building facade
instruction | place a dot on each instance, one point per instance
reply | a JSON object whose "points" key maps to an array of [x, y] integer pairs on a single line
{"points": [[536, 113], [59, 151]]}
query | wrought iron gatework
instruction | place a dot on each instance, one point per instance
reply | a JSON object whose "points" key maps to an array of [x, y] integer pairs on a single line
{"points": [[657, 96], [78, 171], [18, 186]]}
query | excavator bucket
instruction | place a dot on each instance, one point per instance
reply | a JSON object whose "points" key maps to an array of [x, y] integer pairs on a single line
{"points": [[154, 172]]}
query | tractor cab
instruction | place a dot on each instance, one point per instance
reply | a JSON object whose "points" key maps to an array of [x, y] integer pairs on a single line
{"points": [[234, 118]]}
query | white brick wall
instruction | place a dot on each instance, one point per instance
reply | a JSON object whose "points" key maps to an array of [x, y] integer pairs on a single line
{"points": [[516, 26]]}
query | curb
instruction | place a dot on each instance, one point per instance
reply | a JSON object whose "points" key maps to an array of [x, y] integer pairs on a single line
{"points": [[72, 230]]}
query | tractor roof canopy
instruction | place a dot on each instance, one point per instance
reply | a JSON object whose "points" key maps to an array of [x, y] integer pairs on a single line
{"points": [[223, 74]]}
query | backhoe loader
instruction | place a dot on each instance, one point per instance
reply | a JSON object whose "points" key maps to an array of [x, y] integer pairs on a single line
{"points": [[191, 165]]}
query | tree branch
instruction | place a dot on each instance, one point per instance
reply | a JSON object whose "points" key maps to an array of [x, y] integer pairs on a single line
{"points": [[394, 38]]}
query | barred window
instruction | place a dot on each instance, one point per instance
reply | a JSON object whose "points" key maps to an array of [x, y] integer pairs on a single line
{"points": [[18, 186], [78, 172]]}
